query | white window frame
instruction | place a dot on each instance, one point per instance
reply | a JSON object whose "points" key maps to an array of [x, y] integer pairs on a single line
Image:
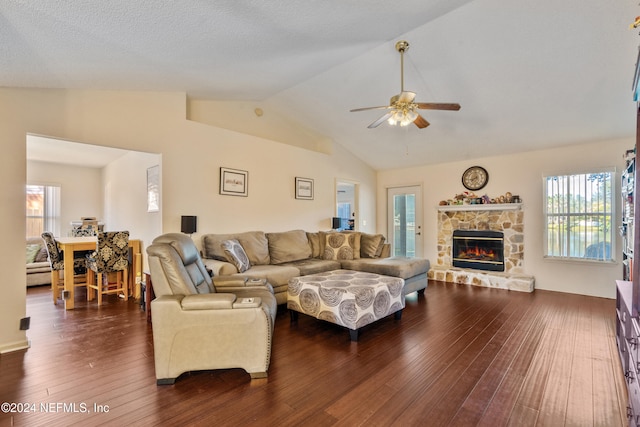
{"points": [[51, 208], [610, 210]]}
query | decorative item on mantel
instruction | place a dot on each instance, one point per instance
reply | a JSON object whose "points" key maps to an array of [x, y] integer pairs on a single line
{"points": [[469, 198]]}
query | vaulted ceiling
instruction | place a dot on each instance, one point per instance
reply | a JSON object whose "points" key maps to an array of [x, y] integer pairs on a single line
{"points": [[528, 75]]}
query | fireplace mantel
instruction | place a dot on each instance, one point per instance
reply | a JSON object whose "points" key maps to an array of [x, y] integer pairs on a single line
{"points": [[481, 207]]}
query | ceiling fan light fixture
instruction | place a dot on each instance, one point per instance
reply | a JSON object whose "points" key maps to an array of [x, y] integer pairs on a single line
{"points": [[405, 121], [402, 117], [411, 115], [396, 118]]}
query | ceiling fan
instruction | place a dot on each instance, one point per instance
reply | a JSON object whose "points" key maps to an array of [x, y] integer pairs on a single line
{"points": [[402, 108]]}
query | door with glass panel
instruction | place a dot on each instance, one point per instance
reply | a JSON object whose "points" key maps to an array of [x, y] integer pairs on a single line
{"points": [[404, 220]]}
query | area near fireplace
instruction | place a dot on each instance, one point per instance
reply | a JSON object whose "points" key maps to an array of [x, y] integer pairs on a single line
{"points": [[502, 222]]}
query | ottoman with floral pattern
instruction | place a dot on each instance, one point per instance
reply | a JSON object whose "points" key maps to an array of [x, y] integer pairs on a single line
{"points": [[345, 297]]}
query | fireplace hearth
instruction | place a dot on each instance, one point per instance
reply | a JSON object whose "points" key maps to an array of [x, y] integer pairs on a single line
{"points": [[478, 249]]}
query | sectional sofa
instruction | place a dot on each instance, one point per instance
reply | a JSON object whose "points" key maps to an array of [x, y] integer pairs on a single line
{"points": [[278, 257], [38, 267]]}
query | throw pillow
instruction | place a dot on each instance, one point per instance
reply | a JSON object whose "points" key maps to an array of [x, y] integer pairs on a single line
{"points": [[371, 245], [32, 251], [236, 255], [322, 240], [314, 242], [380, 247], [42, 255], [337, 247], [355, 238]]}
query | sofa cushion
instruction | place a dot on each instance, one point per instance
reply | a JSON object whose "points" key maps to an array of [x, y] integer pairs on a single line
{"points": [[38, 267], [288, 246], [337, 246], [32, 251], [277, 275], [254, 243], [313, 266], [236, 255], [371, 245], [402, 267]]}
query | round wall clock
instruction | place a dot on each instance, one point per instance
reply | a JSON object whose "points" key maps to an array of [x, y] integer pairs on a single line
{"points": [[475, 178]]}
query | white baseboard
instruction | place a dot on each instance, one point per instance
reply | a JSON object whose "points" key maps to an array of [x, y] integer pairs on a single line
{"points": [[15, 346]]}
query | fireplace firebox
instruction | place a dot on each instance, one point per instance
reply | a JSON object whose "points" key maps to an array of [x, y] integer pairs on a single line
{"points": [[478, 249]]}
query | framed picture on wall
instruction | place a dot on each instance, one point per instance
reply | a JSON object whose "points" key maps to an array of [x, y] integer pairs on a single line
{"points": [[234, 182], [304, 188], [153, 189]]}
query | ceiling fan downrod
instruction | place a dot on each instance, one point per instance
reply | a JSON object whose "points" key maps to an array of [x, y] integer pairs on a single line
{"points": [[401, 47]]}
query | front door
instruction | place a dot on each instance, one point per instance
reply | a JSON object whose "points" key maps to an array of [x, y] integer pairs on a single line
{"points": [[404, 220]]}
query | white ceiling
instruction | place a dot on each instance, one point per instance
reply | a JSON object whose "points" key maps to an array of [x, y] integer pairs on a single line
{"points": [[529, 75], [45, 149]]}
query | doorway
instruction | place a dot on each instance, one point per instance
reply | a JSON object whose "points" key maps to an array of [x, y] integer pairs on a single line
{"points": [[347, 204], [97, 181], [404, 220]]}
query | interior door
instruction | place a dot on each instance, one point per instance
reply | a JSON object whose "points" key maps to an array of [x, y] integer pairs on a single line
{"points": [[404, 220]]}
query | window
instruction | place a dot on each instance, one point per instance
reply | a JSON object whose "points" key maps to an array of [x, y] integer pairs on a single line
{"points": [[579, 213], [43, 210]]}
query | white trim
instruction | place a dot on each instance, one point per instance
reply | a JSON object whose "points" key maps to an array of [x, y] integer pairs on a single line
{"points": [[15, 346], [614, 220]]}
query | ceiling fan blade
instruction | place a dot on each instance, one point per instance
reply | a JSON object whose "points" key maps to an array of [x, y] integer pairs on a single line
{"points": [[437, 106], [369, 108], [421, 122], [379, 121]]}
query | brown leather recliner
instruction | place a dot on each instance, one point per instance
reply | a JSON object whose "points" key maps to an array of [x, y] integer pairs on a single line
{"points": [[200, 323]]}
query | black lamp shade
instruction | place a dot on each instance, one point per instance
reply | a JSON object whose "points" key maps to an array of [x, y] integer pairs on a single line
{"points": [[336, 222], [189, 224]]}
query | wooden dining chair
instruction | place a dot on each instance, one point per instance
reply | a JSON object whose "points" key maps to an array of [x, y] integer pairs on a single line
{"points": [[111, 259], [56, 261]]}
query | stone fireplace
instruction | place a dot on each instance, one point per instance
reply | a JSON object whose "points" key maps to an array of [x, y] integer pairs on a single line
{"points": [[502, 221]]}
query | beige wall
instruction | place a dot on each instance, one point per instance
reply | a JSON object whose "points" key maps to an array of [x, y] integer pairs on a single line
{"points": [[80, 190], [520, 174], [192, 154], [124, 190]]}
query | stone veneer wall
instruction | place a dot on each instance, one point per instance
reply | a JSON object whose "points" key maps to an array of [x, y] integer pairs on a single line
{"points": [[510, 222]]}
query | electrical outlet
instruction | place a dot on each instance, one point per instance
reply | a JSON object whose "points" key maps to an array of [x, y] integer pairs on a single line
{"points": [[24, 323]]}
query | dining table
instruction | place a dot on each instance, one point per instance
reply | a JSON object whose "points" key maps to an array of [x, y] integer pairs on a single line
{"points": [[70, 245]]}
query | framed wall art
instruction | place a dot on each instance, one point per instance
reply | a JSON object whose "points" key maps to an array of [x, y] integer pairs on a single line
{"points": [[234, 182], [153, 189], [304, 188]]}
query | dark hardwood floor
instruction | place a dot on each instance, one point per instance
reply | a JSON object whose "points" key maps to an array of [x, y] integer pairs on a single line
{"points": [[460, 356]]}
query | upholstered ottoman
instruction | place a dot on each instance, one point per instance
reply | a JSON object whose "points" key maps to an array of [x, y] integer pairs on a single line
{"points": [[345, 297]]}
